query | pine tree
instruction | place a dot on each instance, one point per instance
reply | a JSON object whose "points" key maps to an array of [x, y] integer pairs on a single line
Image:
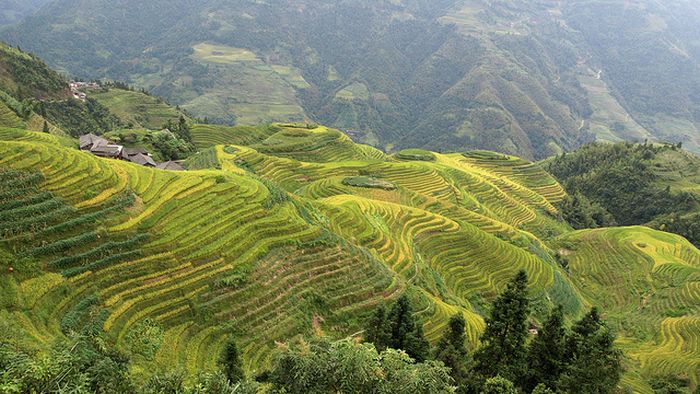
{"points": [[594, 364], [546, 355], [183, 129], [231, 362], [503, 342], [452, 351], [45, 129], [416, 345], [377, 330], [406, 333]]}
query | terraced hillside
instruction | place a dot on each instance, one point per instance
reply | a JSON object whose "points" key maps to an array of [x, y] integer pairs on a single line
{"points": [[136, 108], [286, 229]]}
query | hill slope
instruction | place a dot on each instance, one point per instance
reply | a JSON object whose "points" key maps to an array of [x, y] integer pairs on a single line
{"points": [[302, 228], [524, 78]]}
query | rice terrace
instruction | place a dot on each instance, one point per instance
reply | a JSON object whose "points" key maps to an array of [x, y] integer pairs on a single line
{"points": [[449, 197], [286, 228]]}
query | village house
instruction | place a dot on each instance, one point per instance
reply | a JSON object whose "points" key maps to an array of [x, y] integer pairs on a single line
{"points": [[110, 151], [144, 160], [88, 141], [101, 147]]}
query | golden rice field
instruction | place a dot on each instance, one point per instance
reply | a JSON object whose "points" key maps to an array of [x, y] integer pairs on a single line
{"points": [[273, 241]]}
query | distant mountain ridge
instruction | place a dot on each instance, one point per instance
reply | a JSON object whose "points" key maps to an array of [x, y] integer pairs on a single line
{"points": [[13, 11], [521, 77]]}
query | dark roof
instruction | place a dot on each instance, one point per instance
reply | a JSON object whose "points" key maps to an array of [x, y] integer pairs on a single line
{"points": [[88, 141], [107, 150], [142, 160], [135, 151], [170, 165]]}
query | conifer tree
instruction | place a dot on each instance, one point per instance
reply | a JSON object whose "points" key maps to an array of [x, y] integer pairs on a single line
{"points": [[231, 362], [452, 351], [45, 129], [594, 364], [503, 342], [546, 355], [406, 333], [377, 330]]}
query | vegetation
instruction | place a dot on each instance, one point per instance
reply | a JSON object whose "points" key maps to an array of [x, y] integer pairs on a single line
{"points": [[346, 366], [628, 184], [369, 182], [136, 109], [265, 243], [449, 76]]}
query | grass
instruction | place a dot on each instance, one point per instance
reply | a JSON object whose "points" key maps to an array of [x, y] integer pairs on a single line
{"points": [[415, 154], [222, 54], [368, 182], [355, 91], [136, 108], [285, 224]]}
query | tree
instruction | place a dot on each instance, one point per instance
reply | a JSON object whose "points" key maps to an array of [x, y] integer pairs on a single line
{"points": [[503, 342], [452, 351], [168, 383], [499, 385], [377, 330], [45, 129], [231, 362], [183, 129], [594, 364], [546, 355], [406, 333], [323, 366], [542, 389]]}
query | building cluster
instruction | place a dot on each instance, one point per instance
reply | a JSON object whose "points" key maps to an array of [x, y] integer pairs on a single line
{"points": [[76, 86], [102, 147]]}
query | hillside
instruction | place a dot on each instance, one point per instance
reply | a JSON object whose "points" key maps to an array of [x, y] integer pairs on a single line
{"points": [[35, 97], [286, 229], [136, 109], [14, 11], [521, 77], [628, 184]]}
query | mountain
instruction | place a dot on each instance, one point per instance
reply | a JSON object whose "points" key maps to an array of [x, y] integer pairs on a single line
{"points": [[288, 229], [14, 11], [520, 77]]}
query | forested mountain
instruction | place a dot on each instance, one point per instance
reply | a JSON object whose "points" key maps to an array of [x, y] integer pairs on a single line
{"points": [[13, 11], [524, 77]]}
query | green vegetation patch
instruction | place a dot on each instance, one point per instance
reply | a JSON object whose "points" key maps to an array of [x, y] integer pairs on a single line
{"points": [[416, 155], [222, 54], [369, 182]]}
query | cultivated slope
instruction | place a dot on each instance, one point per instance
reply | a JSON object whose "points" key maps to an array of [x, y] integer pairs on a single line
{"points": [[302, 229], [528, 78]]}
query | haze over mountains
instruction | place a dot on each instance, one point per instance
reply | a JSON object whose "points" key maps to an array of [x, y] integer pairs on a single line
{"points": [[531, 78]]}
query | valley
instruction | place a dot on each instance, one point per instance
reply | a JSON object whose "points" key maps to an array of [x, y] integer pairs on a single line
{"points": [[393, 196]]}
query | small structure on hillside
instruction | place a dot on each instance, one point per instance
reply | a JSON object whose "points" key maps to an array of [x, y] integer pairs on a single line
{"points": [[109, 151], [170, 165], [88, 141], [128, 152], [101, 147], [141, 159]]}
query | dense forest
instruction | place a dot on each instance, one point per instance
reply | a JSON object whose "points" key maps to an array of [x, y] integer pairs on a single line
{"points": [[626, 184]]}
